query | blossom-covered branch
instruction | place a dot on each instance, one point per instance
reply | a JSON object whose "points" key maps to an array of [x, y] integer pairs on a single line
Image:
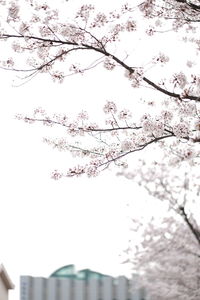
{"points": [[52, 41], [170, 243], [135, 75], [122, 135]]}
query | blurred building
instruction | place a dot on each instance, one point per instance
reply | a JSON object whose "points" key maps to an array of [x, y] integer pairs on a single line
{"points": [[67, 284], [5, 283], [69, 271]]}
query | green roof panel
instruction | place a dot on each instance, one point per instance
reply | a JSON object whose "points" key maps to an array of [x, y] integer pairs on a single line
{"points": [[69, 272], [66, 271]]}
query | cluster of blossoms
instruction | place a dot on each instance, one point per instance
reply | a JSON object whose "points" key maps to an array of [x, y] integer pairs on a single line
{"points": [[151, 31], [188, 109], [147, 7], [84, 12], [100, 146], [160, 58], [155, 127], [109, 64], [13, 12], [9, 63], [167, 115], [130, 26], [182, 13], [136, 76], [179, 80], [42, 24], [181, 130], [169, 183], [195, 84], [110, 107], [75, 69], [58, 76], [56, 175], [100, 20], [163, 253], [125, 114], [83, 33], [90, 170], [164, 247]]}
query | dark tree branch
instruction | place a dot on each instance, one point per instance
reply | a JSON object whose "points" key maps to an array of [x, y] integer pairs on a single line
{"points": [[191, 5], [88, 129], [195, 232], [102, 50]]}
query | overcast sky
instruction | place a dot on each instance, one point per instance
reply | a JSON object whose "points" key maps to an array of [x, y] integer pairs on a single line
{"points": [[46, 224]]}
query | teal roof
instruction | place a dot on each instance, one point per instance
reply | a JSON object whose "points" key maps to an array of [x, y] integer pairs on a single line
{"points": [[87, 274], [69, 272], [65, 271]]}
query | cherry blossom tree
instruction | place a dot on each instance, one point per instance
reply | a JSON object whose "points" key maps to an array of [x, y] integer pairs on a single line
{"points": [[183, 11], [167, 259], [178, 190], [41, 40], [167, 251]]}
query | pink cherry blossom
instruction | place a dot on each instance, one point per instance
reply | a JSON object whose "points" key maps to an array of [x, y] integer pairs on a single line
{"points": [[110, 107]]}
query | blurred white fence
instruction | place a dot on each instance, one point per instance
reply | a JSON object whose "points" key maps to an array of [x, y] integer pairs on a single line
{"points": [[107, 288]]}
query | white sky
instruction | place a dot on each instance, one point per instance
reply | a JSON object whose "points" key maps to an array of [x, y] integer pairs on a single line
{"points": [[45, 224]]}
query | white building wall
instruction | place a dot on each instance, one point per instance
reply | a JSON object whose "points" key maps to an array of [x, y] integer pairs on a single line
{"points": [[122, 289], [79, 290], [52, 288], [39, 289], [93, 289], [107, 288], [65, 290], [3, 290], [26, 287], [107, 285]]}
